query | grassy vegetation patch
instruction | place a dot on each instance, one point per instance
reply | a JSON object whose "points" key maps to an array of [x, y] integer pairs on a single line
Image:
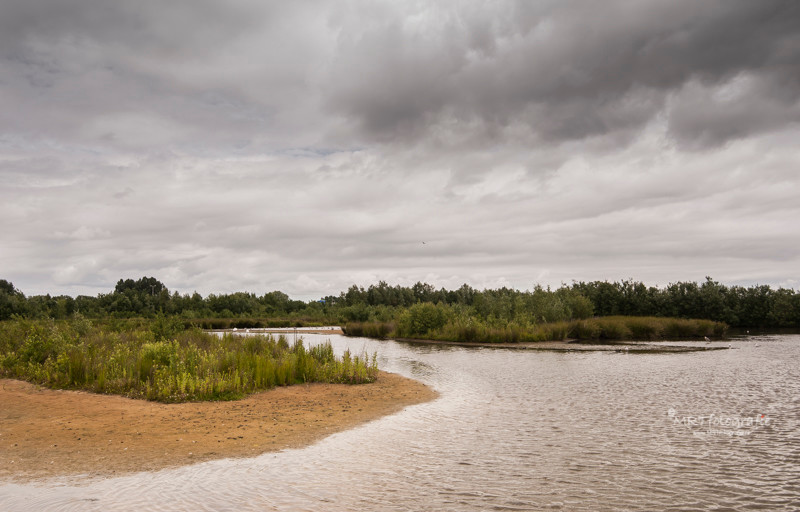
{"points": [[474, 330], [159, 361]]}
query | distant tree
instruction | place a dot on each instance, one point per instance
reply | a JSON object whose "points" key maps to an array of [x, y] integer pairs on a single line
{"points": [[423, 292], [145, 285], [275, 302], [8, 288], [40, 306], [143, 297], [355, 295], [356, 313], [465, 294], [753, 305], [89, 306], [12, 301], [783, 311]]}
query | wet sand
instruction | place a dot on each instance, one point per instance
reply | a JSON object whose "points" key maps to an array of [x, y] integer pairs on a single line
{"points": [[45, 433]]}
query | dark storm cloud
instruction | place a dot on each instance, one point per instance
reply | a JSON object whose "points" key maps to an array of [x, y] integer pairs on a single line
{"points": [[267, 75], [566, 70], [701, 116]]}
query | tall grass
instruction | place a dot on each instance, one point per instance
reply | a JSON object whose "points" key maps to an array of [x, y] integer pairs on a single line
{"points": [[142, 362], [472, 330], [249, 323], [648, 328], [379, 330]]}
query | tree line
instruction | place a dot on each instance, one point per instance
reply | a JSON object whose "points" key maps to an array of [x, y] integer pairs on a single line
{"points": [[738, 306]]}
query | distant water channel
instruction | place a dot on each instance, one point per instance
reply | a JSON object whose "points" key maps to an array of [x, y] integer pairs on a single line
{"points": [[516, 430]]}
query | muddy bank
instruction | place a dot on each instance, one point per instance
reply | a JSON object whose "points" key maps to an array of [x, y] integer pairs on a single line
{"points": [[47, 433], [574, 345]]}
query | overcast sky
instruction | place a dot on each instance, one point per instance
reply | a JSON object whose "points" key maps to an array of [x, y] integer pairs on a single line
{"points": [[246, 145]]}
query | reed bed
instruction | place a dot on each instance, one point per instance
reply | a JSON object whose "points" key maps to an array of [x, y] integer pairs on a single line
{"points": [[611, 328], [651, 328], [189, 365], [249, 323], [379, 330]]}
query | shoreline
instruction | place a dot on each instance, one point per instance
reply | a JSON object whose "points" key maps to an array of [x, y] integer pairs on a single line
{"points": [[53, 433], [631, 346], [280, 330], [569, 345]]}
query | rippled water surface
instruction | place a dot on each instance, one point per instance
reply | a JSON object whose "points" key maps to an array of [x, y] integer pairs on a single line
{"points": [[516, 430]]}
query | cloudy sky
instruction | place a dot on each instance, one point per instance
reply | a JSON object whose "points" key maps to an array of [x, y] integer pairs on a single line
{"points": [[302, 146]]}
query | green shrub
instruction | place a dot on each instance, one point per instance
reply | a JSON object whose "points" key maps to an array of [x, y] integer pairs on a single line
{"points": [[421, 318]]}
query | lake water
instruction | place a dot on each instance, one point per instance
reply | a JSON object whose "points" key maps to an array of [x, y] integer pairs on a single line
{"points": [[516, 430]]}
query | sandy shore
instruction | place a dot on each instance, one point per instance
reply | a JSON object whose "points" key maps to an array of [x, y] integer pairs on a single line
{"points": [[47, 433]]}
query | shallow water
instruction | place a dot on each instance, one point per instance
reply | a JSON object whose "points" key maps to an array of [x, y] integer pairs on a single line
{"points": [[516, 430]]}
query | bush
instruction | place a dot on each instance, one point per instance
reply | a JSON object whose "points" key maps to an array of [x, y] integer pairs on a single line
{"points": [[421, 318]]}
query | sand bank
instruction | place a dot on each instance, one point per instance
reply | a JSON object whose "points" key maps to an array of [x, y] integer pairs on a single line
{"points": [[47, 433]]}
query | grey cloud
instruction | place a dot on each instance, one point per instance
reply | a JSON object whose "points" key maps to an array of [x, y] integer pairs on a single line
{"points": [[181, 27], [571, 71], [702, 117], [249, 76], [305, 146], [200, 76]]}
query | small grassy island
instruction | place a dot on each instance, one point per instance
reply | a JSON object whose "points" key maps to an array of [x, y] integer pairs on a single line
{"points": [[425, 323], [207, 396]]}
